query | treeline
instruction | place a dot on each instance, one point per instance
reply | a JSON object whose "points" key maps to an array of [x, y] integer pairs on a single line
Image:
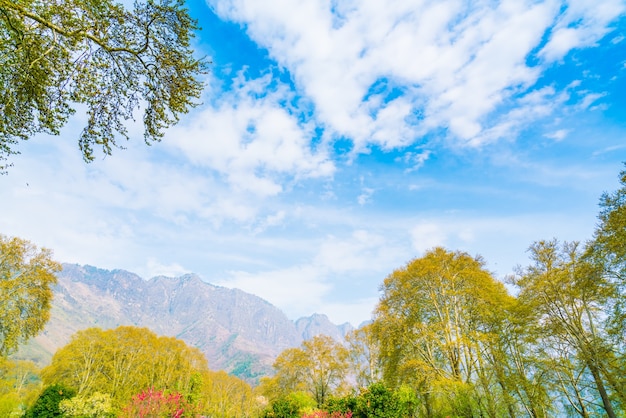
{"points": [[449, 340], [446, 340], [123, 372]]}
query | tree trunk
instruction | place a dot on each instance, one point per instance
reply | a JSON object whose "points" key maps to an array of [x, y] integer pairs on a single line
{"points": [[606, 402]]}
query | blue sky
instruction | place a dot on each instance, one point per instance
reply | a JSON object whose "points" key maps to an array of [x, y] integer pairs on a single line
{"points": [[337, 140]]}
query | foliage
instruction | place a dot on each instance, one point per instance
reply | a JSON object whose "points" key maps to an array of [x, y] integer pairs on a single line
{"points": [[286, 407], [365, 361], [122, 360], [375, 401], [347, 403], [26, 277], [567, 296], [319, 367], [610, 235], [101, 56], [448, 339], [98, 405], [19, 386], [607, 249], [437, 318], [223, 395], [156, 404], [47, 404], [378, 401]]}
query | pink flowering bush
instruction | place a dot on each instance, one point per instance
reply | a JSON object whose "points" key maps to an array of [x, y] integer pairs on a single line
{"points": [[153, 403]]}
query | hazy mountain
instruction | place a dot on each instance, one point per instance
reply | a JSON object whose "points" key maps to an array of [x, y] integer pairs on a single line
{"points": [[319, 324], [239, 332]]}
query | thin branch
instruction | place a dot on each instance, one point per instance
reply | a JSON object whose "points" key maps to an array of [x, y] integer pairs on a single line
{"points": [[79, 32]]}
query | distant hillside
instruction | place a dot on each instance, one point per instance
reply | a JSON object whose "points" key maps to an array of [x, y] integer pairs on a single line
{"points": [[239, 332]]}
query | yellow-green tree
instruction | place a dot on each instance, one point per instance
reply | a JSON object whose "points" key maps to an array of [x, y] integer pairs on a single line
{"points": [[123, 361], [98, 54], [19, 386], [365, 361], [27, 275], [98, 405], [435, 322], [518, 365], [318, 367], [607, 250], [223, 395], [569, 299]]}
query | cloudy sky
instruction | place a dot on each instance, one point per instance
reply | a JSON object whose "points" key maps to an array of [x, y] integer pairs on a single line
{"points": [[338, 139]]}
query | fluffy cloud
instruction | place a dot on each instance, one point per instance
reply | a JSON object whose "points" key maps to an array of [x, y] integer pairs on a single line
{"points": [[337, 265], [387, 73], [252, 139]]}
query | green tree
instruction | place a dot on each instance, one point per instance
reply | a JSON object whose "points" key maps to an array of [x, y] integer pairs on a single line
{"points": [[99, 55], [435, 322], [26, 277], [319, 367], [607, 249], [223, 395], [519, 365], [123, 361], [47, 404], [98, 405], [378, 401], [364, 357], [283, 407], [568, 296], [19, 386]]}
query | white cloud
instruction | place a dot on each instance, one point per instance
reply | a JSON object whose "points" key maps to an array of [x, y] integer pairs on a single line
{"points": [[387, 73], [365, 196], [254, 142], [582, 24], [154, 267], [338, 264], [297, 290], [427, 235], [354, 312], [415, 160], [270, 221], [589, 99], [240, 187], [558, 135], [362, 250]]}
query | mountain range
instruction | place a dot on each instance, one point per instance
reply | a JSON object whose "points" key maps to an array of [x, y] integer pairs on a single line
{"points": [[237, 331]]}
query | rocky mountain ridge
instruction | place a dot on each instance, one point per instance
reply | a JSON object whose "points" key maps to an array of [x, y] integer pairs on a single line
{"points": [[238, 332]]}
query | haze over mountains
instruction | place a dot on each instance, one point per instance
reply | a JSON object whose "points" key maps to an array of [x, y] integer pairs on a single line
{"points": [[238, 332]]}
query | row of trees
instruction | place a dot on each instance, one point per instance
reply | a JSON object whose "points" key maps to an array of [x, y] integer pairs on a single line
{"points": [[448, 339], [122, 372]]}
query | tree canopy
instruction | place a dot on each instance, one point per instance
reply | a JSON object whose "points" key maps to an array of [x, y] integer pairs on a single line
{"points": [[319, 367], [436, 322], [123, 361], [567, 299], [26, 276], [110, 61]]}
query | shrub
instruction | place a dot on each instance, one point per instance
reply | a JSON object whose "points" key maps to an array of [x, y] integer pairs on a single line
{"points": [[47, 404], [97, 405], [283, 408], [156, 403]]}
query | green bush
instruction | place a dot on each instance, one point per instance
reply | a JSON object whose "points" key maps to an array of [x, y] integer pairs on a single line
{"points": [[98, 405], [283, 408], [47, 404]]}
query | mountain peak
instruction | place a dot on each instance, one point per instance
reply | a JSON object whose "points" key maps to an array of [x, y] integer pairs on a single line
{"points": [[238, 332]]}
